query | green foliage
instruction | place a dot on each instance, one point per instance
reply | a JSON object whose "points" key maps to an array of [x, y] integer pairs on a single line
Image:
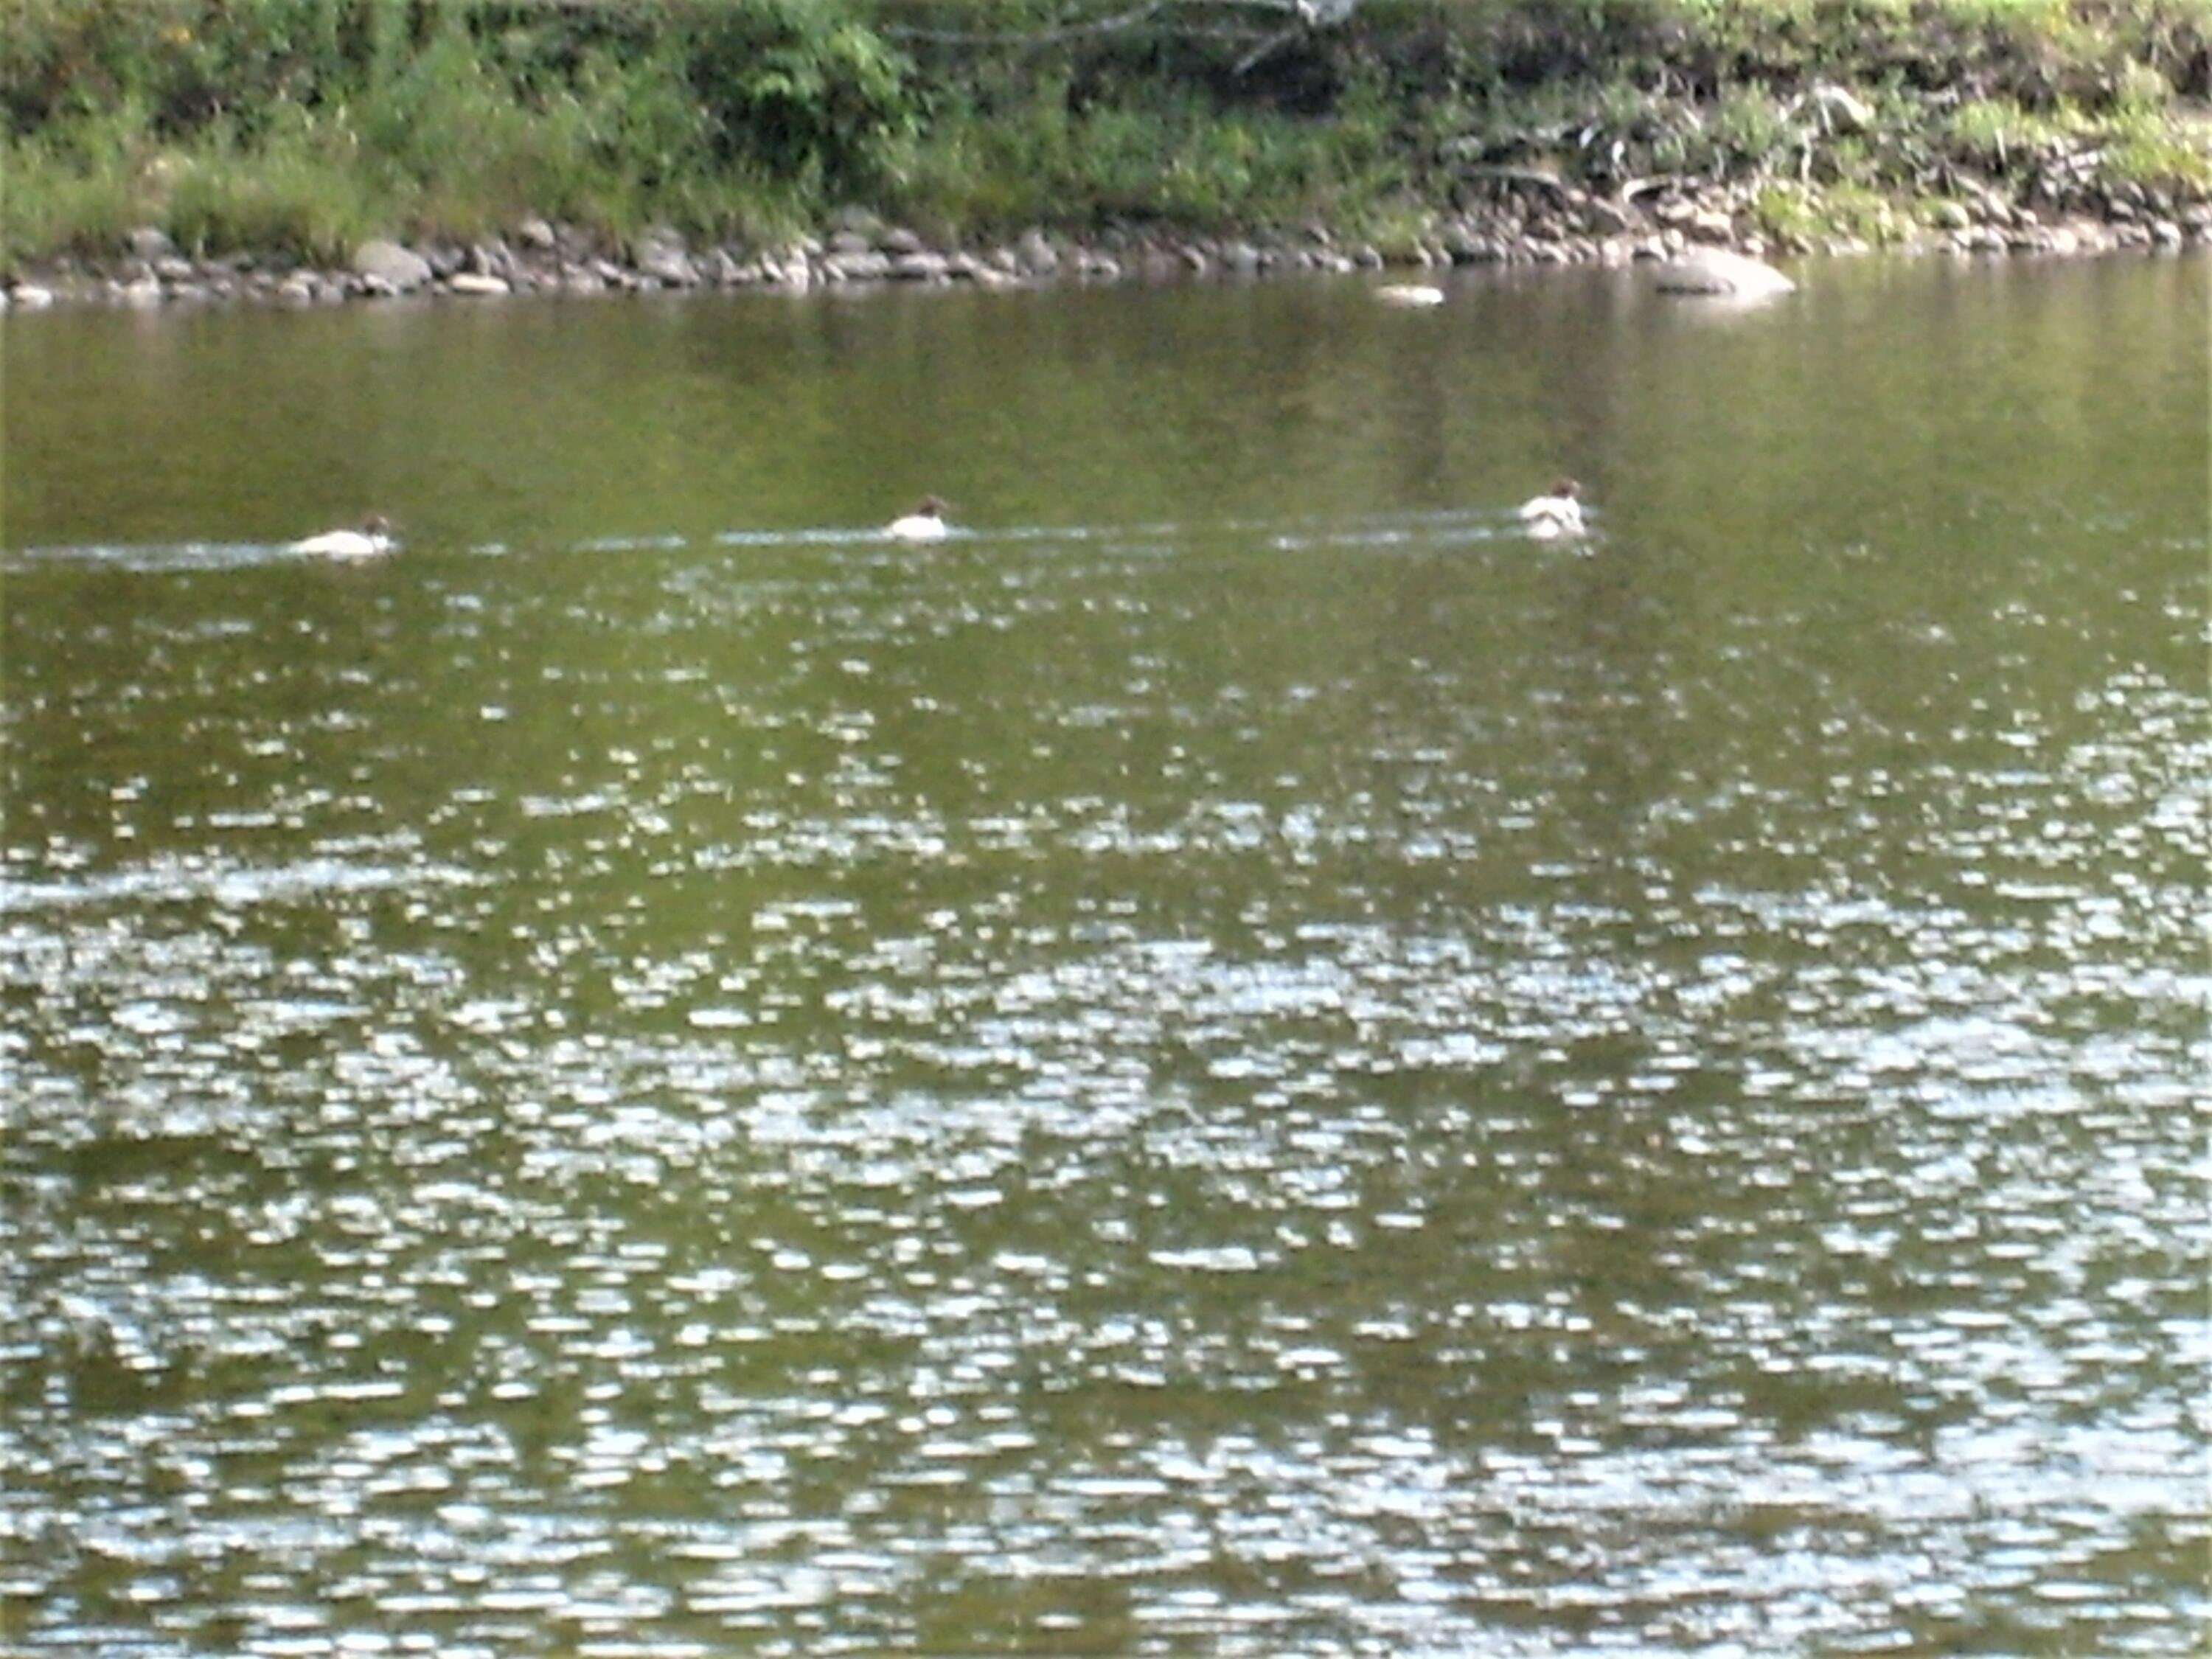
{"points": [[1999, 134], [75, 187], [803, 91], [1748, 125], [1173, 159], [2150, 147], [286, 193], [1804, 215], [299, 124]]}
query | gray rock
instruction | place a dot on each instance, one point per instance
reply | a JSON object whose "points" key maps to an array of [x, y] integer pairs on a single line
{"points": [[666, 262], [399, 270], [661, 256], [1718, 273], [1466, 246], [866, 265], [146, 291], [30, 297], [1036, 254], [850, 242], [149, 242], [919, 267], [1949, 215], [174, 268], [538, 234], [902, 241], [477, 284], [1240, 258], [1606, 218]]}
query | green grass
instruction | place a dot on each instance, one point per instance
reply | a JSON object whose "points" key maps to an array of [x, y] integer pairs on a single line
{"points": [[305, 124]]}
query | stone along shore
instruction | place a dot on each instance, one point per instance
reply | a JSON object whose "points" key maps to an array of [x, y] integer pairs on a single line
{"points": [[1531, 219]]}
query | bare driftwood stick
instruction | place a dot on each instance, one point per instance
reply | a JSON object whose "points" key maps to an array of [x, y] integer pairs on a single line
{"points": [[1307, 15], [1535, 176]]}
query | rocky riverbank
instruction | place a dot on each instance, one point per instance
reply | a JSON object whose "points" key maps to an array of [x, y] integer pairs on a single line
{"points": [[1528, 219]]}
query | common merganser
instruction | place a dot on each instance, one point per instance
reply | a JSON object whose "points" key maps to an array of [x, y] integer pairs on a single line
{"points": [[925, 524], [373, 538], [1409, 294], [1557, 513]]}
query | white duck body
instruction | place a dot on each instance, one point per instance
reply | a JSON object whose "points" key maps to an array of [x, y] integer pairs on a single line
{"points": [[371, 541], [1547, 518], [925, 524]]}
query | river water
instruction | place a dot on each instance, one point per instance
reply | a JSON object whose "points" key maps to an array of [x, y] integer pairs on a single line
{"points": [[1238, 1061]]}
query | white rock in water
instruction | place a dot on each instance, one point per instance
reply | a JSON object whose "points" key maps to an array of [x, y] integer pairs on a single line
{"points": [[476, 283], [1718, 272]]}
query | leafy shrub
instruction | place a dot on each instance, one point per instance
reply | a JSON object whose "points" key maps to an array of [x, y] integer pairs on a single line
{"points": [[804, 91]]}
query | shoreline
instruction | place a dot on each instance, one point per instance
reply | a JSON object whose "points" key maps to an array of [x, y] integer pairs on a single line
{"points": [[1532, 219]]}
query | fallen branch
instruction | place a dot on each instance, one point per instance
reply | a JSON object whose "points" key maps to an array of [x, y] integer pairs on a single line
{"points": [[1534, 176]]}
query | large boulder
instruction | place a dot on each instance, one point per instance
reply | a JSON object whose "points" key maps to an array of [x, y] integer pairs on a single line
{"points": [[390, 263], [1719, 274]]}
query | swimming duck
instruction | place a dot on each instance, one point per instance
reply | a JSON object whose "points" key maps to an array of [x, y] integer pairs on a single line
{"points": [[1558, 513], [925, 524], [374, 537]]}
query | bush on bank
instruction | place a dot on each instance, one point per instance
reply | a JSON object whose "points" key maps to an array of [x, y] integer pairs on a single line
{"points": [[302, 126]]}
